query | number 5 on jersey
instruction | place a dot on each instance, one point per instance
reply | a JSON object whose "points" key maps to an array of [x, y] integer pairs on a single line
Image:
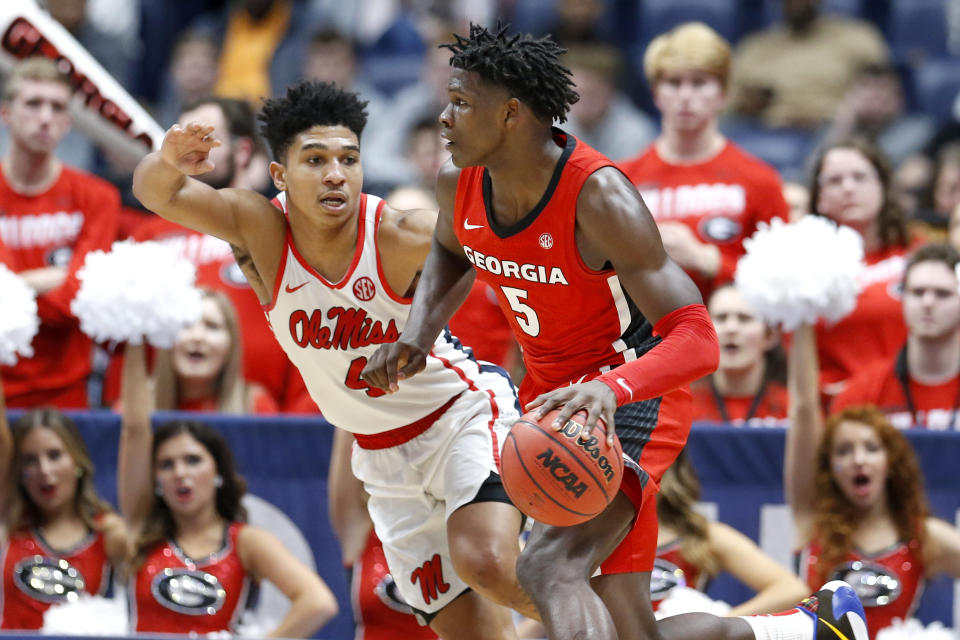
{"points": [[526, 316]]}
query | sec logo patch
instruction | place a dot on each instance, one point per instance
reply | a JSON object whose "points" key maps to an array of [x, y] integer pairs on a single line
{"points": [[546, 240], [364, 289]]}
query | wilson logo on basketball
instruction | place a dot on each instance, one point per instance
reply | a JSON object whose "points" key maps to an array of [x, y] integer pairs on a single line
{"points": [[364, 289], [591, 445], [546, 240]]}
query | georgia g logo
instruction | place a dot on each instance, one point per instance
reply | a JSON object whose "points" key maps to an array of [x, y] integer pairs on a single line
{"points": [[664, 578], [875, 584], [48, 579], [195, 593]]}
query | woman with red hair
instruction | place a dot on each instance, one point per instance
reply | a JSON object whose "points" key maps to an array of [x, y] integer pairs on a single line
{"points": [[856, 493]]}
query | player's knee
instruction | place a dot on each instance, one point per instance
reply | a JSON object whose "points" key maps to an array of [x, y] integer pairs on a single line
{"points": [[484, 567]]}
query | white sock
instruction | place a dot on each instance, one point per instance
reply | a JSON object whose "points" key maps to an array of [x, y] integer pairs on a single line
{"points": [[797, 625]]}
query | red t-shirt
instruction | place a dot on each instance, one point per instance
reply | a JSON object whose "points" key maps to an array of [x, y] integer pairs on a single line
{"points": [[264, 360], [173, 593], [78, 214], [722, 200], [35, 576], [934, 406], [770, 411], [262, 401], [874, 331]]}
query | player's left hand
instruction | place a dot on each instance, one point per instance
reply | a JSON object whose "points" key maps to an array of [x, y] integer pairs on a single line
{"points": [[687, 251], [594, 397]]}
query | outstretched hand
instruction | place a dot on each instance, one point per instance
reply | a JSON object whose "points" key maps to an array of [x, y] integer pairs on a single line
{"points": [[393, 362], [594, 397], [188, 148]]}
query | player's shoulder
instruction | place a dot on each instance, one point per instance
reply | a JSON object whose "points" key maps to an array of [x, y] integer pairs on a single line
{"points": [[406, 225]]}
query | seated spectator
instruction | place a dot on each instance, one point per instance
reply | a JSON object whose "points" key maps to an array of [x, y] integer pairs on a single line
{"points": [[873, 107], [265, 362], [920, 385], [946, 182], [53, 519], [748, 388], [850, 184], [53, 215], [114, 53], [705, 193], [696, 549], [180, 494], [796, 74], [204, 369], [604, 117], [856, 493], [425, 152]]}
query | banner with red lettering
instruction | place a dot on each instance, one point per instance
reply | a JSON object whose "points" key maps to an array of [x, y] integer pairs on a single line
{"points": [[101, 108]]}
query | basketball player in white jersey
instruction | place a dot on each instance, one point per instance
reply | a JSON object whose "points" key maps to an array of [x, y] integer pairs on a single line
{"points": [[340, 268]]}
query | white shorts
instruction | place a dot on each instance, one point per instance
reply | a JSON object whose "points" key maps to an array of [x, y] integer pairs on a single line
{"points": [[415, 486]]}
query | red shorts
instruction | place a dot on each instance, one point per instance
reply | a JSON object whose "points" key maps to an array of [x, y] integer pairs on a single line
{"points": [[652, 433]]}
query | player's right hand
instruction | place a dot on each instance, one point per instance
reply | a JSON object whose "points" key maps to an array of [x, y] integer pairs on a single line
{"points": [[393, 362], [187, 148]]}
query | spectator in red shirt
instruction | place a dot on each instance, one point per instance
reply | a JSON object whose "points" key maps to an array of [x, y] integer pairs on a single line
{"points": [[920, 385], [748, 386], [204, 370], [265, 362], [851, 185], [705, 193], [51, 215]]}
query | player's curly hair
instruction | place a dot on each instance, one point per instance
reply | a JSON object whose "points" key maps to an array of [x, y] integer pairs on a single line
{"points": [[529, 68], [308, 104], [837, 518]]}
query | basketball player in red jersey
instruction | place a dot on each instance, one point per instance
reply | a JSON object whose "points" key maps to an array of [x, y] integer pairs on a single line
{"points": [[51, 215], [574, 254], [705, 193]]}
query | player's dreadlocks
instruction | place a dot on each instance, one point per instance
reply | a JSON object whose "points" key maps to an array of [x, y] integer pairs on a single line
{"points": [[527, 67], [305, 105]]}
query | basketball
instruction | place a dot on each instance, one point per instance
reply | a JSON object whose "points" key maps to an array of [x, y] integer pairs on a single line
{"points": [[560, 477]]}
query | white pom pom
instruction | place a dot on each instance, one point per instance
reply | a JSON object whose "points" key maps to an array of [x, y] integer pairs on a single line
{"points": [[686, 600], [913, 629], [793, 274], [138, 291], [88, 616], [18, 318]]}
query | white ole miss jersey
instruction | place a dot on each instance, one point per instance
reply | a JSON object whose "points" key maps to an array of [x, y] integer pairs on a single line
{"points": [[330, 329]]}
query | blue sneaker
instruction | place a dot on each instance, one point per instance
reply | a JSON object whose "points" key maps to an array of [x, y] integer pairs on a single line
{"points": [[837, 612]]}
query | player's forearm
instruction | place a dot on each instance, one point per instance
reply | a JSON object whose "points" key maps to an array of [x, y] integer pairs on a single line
{"points": [[156, 183], [444, 284], [688, 351]]}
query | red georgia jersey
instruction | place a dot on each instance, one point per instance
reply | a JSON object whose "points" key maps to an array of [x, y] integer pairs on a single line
{"points": [[173, 593], [670, 570], [572, 322], [36, 576], [889, 582]]}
